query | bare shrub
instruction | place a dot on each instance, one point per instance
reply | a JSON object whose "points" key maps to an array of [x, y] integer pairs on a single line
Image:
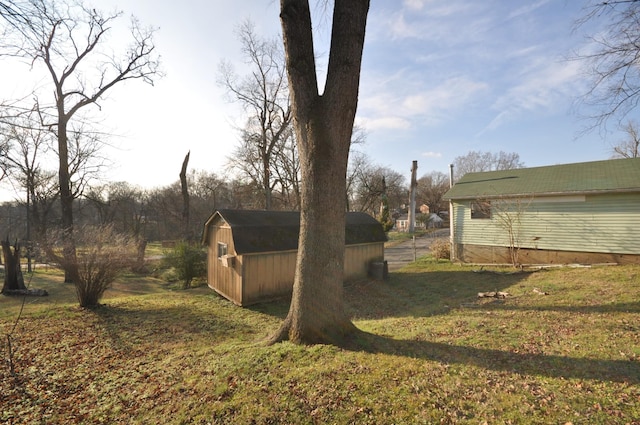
{"points": [[102, 254], [440, 249]]}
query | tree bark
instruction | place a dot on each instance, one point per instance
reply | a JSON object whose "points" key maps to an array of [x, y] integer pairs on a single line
{"points": [[13, 279], [141, 246], [66, 195], [323, 124], [185, 199]]}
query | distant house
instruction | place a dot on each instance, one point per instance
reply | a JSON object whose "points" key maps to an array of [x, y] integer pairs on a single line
{"points": [[435, 221], [252, 254], [432, 221], [402, 223], [573, 213]]}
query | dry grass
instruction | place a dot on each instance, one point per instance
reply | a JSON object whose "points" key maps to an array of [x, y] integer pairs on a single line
{"points": [[430, 352]]}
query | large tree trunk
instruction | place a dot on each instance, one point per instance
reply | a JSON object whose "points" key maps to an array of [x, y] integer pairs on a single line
{"points": [[13, 279], [66, 197], [141, 247], [323, 127]]}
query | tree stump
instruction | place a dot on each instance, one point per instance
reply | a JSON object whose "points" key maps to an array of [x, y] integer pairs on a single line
{"points": [[13, 279]]}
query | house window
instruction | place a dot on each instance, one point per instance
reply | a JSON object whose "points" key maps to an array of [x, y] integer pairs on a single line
{"points": [[222, 249], [481, 209]]}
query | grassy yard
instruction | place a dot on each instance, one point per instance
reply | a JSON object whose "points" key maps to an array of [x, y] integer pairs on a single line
{"points": [[395, 238], [430, 352]]}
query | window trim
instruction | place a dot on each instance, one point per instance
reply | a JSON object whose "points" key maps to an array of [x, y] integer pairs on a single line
{"points": [[223, 249]]}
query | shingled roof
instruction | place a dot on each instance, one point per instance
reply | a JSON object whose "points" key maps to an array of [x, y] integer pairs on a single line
{"points": [[615, 175], [256, 231]]}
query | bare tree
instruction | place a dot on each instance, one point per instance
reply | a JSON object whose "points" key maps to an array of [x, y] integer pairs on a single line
{"points": [[357, 161], [265, 98], [287, 172], [68, 38], [184, 189], [366, 181], [25, 147], [431, 189], [5, 165], [209, 192], [630, 146], [120, 205], [508, 215], [324, 126], [476, 161], [612, 63]]}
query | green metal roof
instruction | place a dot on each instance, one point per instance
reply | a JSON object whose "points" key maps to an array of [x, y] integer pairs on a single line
{"points": [[614, 175]]}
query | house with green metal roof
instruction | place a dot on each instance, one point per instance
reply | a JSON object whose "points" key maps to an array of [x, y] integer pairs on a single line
{"points": [[582, 213]]}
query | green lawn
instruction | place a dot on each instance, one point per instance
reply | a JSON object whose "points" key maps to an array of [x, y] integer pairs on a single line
{"points": [[430, 352]]}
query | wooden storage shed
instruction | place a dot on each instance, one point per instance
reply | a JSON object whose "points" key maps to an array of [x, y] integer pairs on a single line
{"points": [[583, 213], [252, 254]]}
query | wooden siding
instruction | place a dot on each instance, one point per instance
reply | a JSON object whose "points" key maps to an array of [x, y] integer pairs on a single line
{"points": [[594, 223], [358, 257], [267, 275], [271, 275], [226, 280]]}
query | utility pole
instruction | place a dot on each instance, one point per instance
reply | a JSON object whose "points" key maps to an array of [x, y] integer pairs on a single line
{"points": [[412, 199], [452, 249]]}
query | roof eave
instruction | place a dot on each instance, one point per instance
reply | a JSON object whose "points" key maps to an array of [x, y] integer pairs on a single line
{"points": [[205, 232], [538, 194]]}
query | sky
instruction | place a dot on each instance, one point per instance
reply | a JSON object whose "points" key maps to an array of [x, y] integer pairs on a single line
{"points": [[439, 79]]}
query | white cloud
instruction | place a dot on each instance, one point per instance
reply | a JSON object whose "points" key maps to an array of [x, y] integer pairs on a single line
{"points": [[546, 88], [527, 9], [452, 94], [451, 22], [392, 109], [385, 123], [432, 154], [414, 4]]}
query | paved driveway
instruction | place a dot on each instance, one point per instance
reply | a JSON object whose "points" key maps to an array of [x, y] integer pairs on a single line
{"points": [[404, 253]]}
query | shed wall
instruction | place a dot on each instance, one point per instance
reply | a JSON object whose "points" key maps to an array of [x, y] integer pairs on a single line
{"points": [[358, 257], [270, 275], [225, 280], [607, 223]]}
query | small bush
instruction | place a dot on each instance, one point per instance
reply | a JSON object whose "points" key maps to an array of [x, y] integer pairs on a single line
{"points": [[101, 255], [188, 262], [441, 249]]}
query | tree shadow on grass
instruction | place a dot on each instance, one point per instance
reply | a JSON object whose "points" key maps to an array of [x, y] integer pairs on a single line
{"points": [[552, 366], [433, 293], [422, 294], [409, 294], [628, 307], [126, 326]]}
